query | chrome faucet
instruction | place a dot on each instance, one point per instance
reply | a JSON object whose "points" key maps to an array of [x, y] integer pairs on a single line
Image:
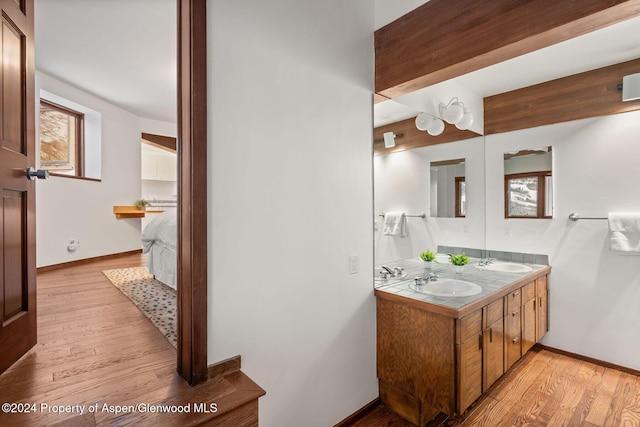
{"points": [[393, 272], [424, 280], [390, 271], [486, 261]]}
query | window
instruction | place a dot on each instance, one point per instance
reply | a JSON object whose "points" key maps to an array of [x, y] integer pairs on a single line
{"points": [[461, 197], [528, 195], [61, 140]]}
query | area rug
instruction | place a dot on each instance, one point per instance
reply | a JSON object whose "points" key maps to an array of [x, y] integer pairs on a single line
{"points": [[155, 299]]}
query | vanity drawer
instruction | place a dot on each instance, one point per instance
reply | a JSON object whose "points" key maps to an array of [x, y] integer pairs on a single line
{"points": [[514, 301], [470, 326], [528, 292], [514, 321], [495, 312], [541, 285], [514, 349]]}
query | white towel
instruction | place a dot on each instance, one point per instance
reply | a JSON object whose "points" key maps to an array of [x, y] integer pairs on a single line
{"points": [[624, 233], [395, 224]]}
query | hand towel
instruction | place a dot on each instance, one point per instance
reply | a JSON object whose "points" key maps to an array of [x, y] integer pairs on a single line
{"points": [[624, 233], [395, 224]]}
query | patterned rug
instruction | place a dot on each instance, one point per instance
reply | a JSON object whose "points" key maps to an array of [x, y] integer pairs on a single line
{"points": [[155, 299]]}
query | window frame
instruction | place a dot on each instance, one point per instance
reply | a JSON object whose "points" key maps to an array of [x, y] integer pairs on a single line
{"points": [[458, 194], [79, 166], [541, 199]]}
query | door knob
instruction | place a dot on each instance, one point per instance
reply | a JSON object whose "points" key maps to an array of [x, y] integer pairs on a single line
{"points": [[40, 173]]}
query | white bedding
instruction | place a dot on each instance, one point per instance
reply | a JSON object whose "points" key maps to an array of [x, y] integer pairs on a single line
{"points": [[159, 240]]}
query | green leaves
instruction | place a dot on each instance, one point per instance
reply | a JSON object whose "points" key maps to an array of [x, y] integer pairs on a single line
{"points": [[428, 255], [460, 259]]}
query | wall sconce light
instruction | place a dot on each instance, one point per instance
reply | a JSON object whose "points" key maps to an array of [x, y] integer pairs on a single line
{"points": [[433, 125], [456, 114], [453, 113], [631, 87], [389, 139]]}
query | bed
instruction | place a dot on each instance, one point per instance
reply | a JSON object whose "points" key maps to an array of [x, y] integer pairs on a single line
{"points": [[159, 240]]}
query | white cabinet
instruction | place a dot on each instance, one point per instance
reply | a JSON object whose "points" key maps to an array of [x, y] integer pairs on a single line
{"points": [[158, 164]]}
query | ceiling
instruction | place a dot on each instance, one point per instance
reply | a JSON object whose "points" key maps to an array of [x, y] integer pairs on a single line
{"points": [[608, 46], [123, 51]]}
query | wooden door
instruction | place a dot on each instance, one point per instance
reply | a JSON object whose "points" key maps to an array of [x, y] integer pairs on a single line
{"points": [[17, 207]]}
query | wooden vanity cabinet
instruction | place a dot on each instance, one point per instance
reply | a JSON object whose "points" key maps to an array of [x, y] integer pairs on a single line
{"points": [[434, 359]]}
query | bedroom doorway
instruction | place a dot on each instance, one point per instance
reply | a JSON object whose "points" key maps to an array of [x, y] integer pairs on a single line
{"points": [[190, 27]]}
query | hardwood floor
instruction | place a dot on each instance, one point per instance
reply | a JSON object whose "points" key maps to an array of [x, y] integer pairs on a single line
{"points": [[95, 347], [546, 389]]}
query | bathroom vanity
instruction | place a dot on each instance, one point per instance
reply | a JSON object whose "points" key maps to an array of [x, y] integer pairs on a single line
{"points": [[440, 354]]}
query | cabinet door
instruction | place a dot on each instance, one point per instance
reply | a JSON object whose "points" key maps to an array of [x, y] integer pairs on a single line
{"points": [[148, 166], [470, 357], [167, 167], [543, 315], [493, 352], [529, 325], [529, 321], [469, 351]]}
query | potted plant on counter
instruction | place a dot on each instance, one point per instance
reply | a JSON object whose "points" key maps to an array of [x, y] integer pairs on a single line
{"points": [[459, 261], [428, 257]]}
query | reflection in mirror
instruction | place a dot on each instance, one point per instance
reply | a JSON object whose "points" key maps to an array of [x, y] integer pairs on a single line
{"points": [[448, 189], [528, 183]]}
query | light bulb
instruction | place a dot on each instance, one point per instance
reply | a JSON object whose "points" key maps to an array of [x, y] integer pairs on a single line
{"points": [[466, 121], [423, 121], [436, 127]]}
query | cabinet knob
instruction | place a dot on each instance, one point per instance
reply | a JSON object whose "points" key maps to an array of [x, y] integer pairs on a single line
{"points": [[515, 339], [515, 313], [515, 294]]}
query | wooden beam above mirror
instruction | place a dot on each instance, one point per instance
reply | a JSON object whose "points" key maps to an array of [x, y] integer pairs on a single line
{"points": [[412, 137], [443, 39]]}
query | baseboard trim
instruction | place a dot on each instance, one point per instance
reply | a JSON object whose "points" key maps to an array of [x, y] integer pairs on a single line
{"points": [[359, 414], [591, 360], [224, 367], [86, 261]]}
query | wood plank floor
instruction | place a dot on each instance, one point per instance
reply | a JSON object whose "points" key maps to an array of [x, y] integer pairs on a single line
{"points": [[546, 389], [95, 347]]}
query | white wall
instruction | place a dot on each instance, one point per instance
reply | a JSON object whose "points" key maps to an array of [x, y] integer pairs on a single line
{"points": [[73, 208], [402, 183], [594, 294], [290, 131]]}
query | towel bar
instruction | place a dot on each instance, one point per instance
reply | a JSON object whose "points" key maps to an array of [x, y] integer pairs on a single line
{"points": [[574, 217], [421, 215]]}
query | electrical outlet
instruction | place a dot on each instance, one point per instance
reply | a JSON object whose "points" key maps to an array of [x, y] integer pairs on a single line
{"points": [[353, 264], [73, 245]]}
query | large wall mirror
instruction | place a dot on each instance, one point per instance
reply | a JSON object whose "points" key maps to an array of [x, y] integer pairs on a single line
{"points": [[448, 189], [528, 183]]}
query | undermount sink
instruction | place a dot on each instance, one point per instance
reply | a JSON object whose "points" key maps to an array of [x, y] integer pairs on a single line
{"points": [[448, 288], [506, 267]]}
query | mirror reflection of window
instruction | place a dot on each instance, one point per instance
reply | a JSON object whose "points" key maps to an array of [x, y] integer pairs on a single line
{"points": [[461, 197], [448, 189], [528, 183]]}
